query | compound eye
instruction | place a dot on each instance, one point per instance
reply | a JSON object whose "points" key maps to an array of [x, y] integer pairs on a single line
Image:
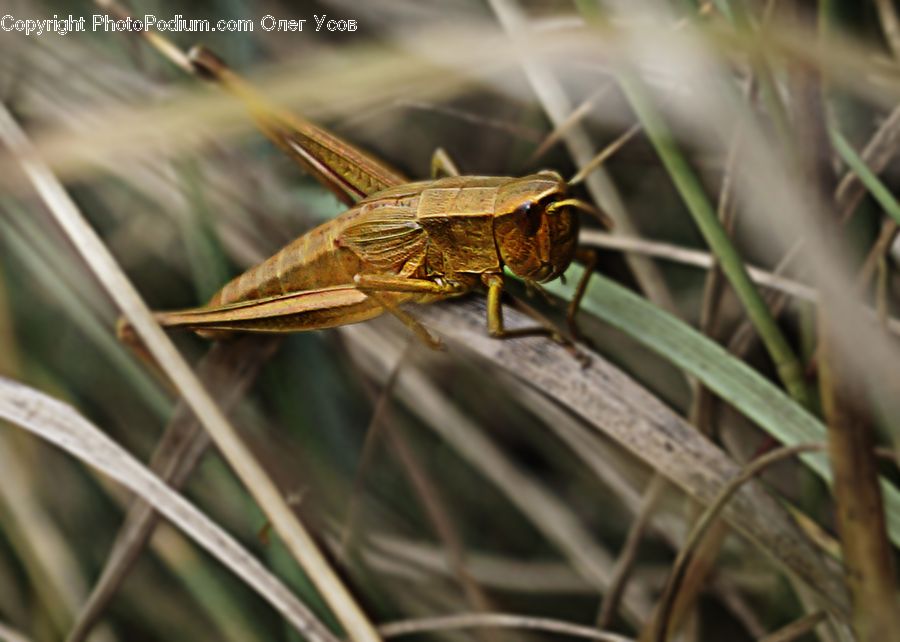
{"points": [[530, 216]]}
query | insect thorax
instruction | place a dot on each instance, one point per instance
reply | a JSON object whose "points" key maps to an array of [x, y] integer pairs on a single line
{"points": [[459, 222]]}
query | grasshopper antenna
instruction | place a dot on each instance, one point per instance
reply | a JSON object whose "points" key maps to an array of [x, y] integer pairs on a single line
{"points": [[583, 206]]}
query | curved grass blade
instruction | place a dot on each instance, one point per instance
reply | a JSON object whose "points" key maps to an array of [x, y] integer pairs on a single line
{"points": [[612, 403], [730, 378], [62, 425], [298, 540], [228, 370]]}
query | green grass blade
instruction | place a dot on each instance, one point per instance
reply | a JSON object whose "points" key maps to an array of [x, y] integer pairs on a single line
{"points": [[704, 215], [867, 177]]}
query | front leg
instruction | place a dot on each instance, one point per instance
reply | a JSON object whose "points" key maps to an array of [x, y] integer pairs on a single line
{"points": [[494, 283]]}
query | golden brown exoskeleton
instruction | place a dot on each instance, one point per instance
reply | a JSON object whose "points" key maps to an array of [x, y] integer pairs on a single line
{"points": [[400, 241]]}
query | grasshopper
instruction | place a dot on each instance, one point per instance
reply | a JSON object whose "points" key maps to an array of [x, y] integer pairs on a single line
{"points": [[400, 242]]}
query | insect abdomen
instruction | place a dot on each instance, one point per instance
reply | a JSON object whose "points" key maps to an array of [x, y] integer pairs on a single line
{"points": [[311, 261]]}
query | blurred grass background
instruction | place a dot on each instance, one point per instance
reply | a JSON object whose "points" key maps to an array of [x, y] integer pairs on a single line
{"points": [[182, 222]]}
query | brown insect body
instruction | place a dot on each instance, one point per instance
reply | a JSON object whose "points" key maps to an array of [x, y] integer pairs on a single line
{"points": [[452, 230]]}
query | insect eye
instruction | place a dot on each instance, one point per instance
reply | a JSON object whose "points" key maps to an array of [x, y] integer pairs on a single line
{"points": [[530, 215]]}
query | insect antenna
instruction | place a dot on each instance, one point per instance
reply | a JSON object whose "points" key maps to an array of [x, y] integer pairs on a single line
{"points": [[583, 206]]}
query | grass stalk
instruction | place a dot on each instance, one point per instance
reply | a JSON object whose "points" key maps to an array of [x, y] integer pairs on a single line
{"points": [[867, 177], [260, 485], [691, 190], [867, 554]]}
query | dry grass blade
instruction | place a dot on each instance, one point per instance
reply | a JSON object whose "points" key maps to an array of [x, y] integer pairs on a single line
{"points": [[696, 258], [61, 425], [497, 621], [428, 493], [261, 487], [605, 154], [49, 562], [599, 184], [868, 555], [628, 554], [878, 152], [658, 628], [9, 357], [881, 148], [877, 253], [703, 402], [442, 521], [576, 116], [612, 403], [408, 558], [796, 629], [228, 369], [619, 475], [872, 356], [534, 500], [533, 456], [8, 634], [889, 24]]}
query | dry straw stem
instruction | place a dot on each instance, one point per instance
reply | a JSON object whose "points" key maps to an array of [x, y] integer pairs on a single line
{"points": [[796, 629], [612, 403], [881, 148], [548, 515], [694, 196], [130, 133], [868, 556], [870, 355], [577, 115], [558, 107], [377, 78], [876, 154], [296, 538], [48, 559], [889, 24], [9, 634], [535, 502], [705, 260], [421, 561], [730, 378], [551, 517], [228, 370], [729, 260], [657, 629], [628, 554], [703, 404], [701, 401], [429, 494], [60, 424], [625, 477], [867, 177], [85, 306], [65, 278], [565, 119], [497, 621]]}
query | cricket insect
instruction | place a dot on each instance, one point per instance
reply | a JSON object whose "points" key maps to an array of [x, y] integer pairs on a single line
{"points": [[400, 242]]}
